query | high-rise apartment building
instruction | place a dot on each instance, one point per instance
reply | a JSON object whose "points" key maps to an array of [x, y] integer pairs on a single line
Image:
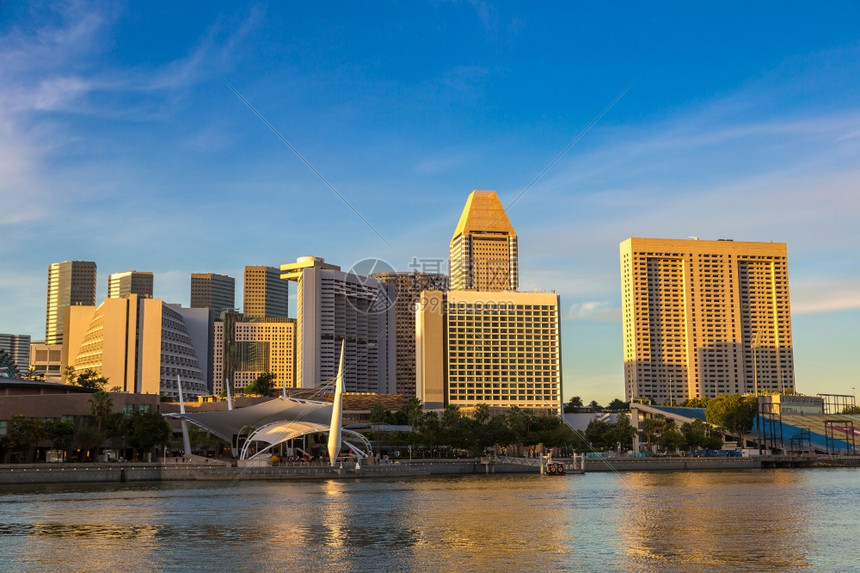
{"points": [[482, 342], [213, 291], [334, 306], [266, 295], [17, 348], [247, 347], [141, 345], [704, 318], [130, 282], [501, 349], [408, 288], [484, 247], [69, 283]]}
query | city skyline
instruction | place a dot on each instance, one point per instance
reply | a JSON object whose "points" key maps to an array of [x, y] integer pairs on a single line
{"points": [[133, 152]]}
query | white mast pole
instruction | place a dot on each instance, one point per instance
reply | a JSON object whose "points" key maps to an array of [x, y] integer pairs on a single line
{"points": [[334, 437], [186, 441], [229, 398]]}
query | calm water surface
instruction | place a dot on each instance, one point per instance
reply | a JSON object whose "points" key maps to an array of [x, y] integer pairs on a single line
{"points": [[780, 520]]}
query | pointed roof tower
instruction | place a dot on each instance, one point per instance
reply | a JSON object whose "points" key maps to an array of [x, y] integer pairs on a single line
{"points": [[484, 246]]}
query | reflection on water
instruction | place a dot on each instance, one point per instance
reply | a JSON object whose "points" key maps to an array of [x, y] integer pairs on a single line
{"points": [[709, 521]]}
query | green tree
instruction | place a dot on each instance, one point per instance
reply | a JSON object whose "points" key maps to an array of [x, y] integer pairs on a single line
{"points": [[62, 433], [262, 385], [595, 406], [482, 413], [732, 412], [147, 430], [87, 379], [696, 434], [101, 407], [573, 405], [618, 405], [378, 413], [24, 434], [695, 403]]}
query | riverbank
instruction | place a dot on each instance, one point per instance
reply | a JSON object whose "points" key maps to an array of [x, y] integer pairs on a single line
{"points": [[135, 472]]}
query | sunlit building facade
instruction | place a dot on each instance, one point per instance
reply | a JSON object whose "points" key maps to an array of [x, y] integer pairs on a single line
{"points": [[130, 282], [69, 283], [257, 346], [501, 349], [408, 287], [140, 345], [214, 291], [704, 318], [483, 250], [265, 293], [334, 306]]}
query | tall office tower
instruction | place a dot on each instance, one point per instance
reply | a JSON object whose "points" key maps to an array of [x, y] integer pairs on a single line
{"points": [[334, 306], [248, 347], [69, 283], [140, 345], [210, 290], [408, 288], [501, 349], [266, 295], [130, 282], [704, 318], [484, 247], [17, 348]]}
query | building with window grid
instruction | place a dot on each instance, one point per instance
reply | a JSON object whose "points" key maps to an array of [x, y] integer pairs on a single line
{"points": [[704, 318], [408, 287], [265, 293], [130, 282], [498, 349], [69, 283], [483, 249], [257, 346], [213, 291]]}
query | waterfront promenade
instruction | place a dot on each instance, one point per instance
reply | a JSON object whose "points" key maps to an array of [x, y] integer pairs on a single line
{"points": [[171, 471]]}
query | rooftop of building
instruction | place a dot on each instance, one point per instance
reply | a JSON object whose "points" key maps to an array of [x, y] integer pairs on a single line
{"points": [[484, 213]]}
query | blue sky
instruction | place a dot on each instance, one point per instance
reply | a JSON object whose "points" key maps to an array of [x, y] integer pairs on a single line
{"points": [[121, 142]]}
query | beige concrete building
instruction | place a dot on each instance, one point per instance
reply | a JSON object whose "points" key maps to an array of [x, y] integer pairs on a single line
{"points": [[130, 282], [140, 345], [69, 283], [408, 288], [704, 318], [266, 295], [483, 249], [214, 291], [46, 360], [499, 349], [335, 306], [256, 347]]}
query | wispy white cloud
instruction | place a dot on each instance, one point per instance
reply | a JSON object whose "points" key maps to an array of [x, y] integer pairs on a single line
{"points": [[601, 311]]}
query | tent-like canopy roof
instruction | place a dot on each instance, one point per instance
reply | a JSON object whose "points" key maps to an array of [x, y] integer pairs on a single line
{"points": [[227, 423]]}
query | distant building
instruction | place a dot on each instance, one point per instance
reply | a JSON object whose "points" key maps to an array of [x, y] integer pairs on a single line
{"points": [[266, 295], [130, 282], [256, 346], [334, 306], [408, 288], [69, 283], [141, 345], [214, 291], [17, 347], [484, 247], [501, 349], [46, 360], [704, 318]]}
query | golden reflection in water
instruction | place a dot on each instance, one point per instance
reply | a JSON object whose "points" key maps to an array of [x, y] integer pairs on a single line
{"points": [[717, 520]]}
